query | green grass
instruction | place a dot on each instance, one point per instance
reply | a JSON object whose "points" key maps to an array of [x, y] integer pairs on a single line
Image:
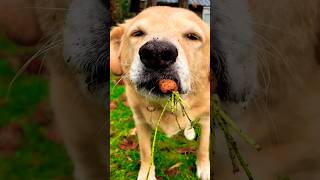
{"points": [[37, 157], [124, 164]]}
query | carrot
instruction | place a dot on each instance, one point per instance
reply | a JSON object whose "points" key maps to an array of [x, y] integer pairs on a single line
{"points": [[168, 86]]}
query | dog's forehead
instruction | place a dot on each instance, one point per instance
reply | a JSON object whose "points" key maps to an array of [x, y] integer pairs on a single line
{"points": [[165, 15], [163, 19]]}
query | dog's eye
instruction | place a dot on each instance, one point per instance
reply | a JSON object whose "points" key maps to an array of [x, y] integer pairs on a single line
{"points": [[137, 33], [192, 36]]}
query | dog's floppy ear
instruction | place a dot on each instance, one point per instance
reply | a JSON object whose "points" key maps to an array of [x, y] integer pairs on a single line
{"points": [[115, 42]]}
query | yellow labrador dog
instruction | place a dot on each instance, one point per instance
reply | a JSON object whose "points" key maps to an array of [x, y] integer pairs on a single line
{"points": [[165, 43]]}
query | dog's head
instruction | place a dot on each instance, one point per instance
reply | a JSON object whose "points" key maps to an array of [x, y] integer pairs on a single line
{"points": [[162, 43]]}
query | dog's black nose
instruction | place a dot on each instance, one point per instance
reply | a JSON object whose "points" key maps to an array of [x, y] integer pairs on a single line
{"points": [[157, 54]]}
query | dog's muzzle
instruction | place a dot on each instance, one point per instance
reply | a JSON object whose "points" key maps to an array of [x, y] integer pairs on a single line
{"points": [[158, 59], [157, 54]]}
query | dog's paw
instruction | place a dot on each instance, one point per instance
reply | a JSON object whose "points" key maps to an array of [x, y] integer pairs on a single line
{"points": [[144, 172], [203, 170]]}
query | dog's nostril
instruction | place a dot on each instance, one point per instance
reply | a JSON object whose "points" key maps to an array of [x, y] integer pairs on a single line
{"points": [[157, 54], [169, 55]]}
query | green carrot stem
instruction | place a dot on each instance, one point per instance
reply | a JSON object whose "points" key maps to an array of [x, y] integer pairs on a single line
{"points": [[234, 150], [172, 102], [219, 112], [233, 125], [212, 147], [185, 113], [180, 99], [243, 163], [229, 142], [155, 137], [176, 118]]}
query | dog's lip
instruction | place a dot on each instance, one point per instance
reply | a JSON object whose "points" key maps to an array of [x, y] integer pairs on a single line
{"points": [[147, 82]]}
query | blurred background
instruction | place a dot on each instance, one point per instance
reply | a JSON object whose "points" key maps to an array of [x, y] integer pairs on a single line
{"points": [[175, 157], [30, 147], [123, 9]]}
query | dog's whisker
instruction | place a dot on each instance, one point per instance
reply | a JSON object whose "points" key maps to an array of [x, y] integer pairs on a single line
{"points": [[43, 50], [264, 72], [263, 66], [268, 121], [42, 62], [151, 91], [283, 59], [121, 78]]}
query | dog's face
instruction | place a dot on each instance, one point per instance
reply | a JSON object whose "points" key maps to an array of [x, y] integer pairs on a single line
{"points": [[162, 43]]}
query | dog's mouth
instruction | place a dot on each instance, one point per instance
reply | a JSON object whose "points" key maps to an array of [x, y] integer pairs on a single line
{"points": [[148, 85]]}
